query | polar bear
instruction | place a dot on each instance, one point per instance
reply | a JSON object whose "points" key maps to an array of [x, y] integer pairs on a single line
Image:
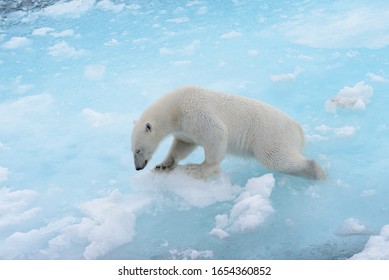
{"points": [[220, 123]]}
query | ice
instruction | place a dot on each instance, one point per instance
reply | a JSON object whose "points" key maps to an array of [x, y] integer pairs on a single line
{"points": [[65, 33], [74, 75], [275, 78], [43, 31], [231, 35], [352, 226], [15, 42], [3, 174], [107, 5], [178, 20], [97, 119], [190, 254], [355, 97], [219, 233], [377, 248], [24, 244], [348, 27], [73, 8], [250, 210], [185, 191], [14, 206], [377, 77], [94, 72], [63, 49]]}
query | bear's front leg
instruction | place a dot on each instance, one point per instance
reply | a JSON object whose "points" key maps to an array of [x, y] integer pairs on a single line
{"points": [[167, 165], [178, 151], [215, 147]]}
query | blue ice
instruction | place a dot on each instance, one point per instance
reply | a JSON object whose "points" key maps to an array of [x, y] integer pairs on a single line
{"points": [[76, 74]]}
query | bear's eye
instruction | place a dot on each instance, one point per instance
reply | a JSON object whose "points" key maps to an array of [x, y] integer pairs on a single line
{"points": [[137, 151]]}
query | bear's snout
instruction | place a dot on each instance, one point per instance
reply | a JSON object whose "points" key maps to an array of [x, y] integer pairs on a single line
{"points": [[141, 166]]}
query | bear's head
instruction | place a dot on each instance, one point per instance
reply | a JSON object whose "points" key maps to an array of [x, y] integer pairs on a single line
{"points": [[144, 142]]}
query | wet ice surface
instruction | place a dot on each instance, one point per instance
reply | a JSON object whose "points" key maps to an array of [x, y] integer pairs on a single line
{"points": [[75, 75]]}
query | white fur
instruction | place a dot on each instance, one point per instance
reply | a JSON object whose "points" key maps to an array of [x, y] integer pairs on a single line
{"points": [[220, 123]]}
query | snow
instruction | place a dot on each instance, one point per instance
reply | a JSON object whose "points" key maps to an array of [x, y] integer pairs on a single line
{"points": [[178, 20], [107, 5], [3, 174], [63, 49], [285, 77], [231, 35], [94, 71], [73, 8], [352, 226], [377, 248], [219, 233], [43, 31], [250, 210], [348, 27], [190, 254], [15, 42], [355, 97], [76, 74], [13, 206]]}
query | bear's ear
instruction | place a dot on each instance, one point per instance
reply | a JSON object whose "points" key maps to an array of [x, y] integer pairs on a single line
{"points": [[148, 127]]}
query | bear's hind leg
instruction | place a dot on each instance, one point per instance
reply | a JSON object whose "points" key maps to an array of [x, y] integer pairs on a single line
{"points": [[312, 170], [303, 167], [293, 164]]}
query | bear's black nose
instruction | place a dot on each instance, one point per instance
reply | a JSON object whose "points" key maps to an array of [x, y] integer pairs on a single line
{"points": [[142, 166]]}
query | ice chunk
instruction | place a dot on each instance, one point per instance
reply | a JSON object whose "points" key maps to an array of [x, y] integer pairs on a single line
{"points": [[250, 210], [219, 233], [15, 42], [186, 191], [109, 222], [113, 222], [356, 97], [63, 49], [377, 248], [190, 254], [338, 132], [346, 131], [352, 226], [15, 206], [253, 205], [230, 35], [73, 8], [43, 31], [221, 221], [107, 5], [25, 244], [283, 77], [178, 20]]}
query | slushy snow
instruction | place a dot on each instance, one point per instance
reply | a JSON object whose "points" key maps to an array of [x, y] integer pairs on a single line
{"points": [[75, 75]]}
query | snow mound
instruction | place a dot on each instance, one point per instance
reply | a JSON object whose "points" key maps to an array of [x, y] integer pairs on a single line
{"points": [[250, 210], [356, 98], [352, 226], [184, 191], [377, 248], [190, 254], [15, 206]]}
